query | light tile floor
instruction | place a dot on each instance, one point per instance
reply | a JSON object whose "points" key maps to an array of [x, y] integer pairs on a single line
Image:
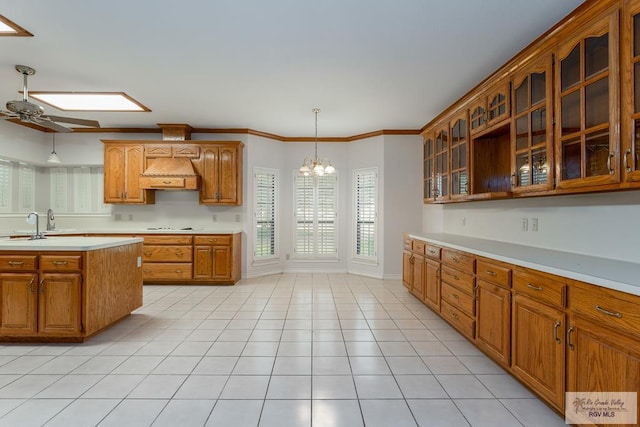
{"points": [[284, 350]]}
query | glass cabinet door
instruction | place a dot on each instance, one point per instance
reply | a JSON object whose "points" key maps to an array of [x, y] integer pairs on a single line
{"points": [[498, 107], [459, 156], [441, 177], [531, 130], [631, 121], [478, 115], [428, 156], [587, 88]]}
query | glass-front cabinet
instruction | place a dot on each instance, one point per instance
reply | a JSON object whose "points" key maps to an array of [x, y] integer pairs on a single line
{"points": [[587, 138], [427, 167], [478, 115], [441, 163], [531, 127], [498, 107], [459, 156], [630, 138]]}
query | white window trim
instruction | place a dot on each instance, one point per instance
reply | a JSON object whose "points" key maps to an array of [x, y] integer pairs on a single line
{"points": [[315, 257], [358, 258], [268, 259]]}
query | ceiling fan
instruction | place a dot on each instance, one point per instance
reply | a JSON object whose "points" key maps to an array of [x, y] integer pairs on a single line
{"points": [[28, 112]]}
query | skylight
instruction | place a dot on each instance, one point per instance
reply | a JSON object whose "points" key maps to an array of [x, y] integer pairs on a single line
{"points": [[89, 101], [10, 28]]}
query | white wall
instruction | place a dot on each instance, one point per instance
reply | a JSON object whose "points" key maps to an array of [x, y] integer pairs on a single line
{"points": [[603, 224]]}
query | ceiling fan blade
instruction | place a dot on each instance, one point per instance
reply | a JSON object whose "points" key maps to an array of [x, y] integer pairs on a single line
{"points": [[8, 115], [81, 122], [51, 125]]}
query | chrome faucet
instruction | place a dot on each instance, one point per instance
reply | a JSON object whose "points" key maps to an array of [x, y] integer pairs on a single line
{"points": [[50, 225], [30, 220]]}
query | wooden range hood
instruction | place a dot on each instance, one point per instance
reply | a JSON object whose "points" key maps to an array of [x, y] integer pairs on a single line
{"points": [[171, 173]]}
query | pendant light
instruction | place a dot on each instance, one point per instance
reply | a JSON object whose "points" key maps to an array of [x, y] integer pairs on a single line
{"points": [[53, 157], [315, 166]]}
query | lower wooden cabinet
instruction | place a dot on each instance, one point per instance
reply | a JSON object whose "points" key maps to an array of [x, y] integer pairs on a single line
{"points": [[493, 317], [432, 284], [19, 303], [537, 348], [59, 302], [216, 258], [407, 269], [417, 285]]}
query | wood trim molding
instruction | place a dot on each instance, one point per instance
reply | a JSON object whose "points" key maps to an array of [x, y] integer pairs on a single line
{"points": [[19, 31]]}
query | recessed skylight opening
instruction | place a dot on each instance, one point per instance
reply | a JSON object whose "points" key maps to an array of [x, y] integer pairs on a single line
{"points": [[89, 101], [11, 29]]}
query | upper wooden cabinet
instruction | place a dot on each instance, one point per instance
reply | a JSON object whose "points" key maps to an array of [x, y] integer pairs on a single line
{"points": [[491, 106], [630, 122], [220, 166], [531, 127], [459, 155], [123, 164], [428, 148], [441, 164], [587, 105]]}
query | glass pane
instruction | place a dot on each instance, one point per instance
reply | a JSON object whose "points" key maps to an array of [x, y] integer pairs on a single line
{"points": [[571, 113], [463, 182], [444, 136], [455, 158], [438, 143], [463, 129], [444, 189], [539, 166], [455, 183], [636, 87], [596, 103], [445, 162], [635, 155], [502, 109], [636, 35], [522, 96], [538, 126], [538, 87], [597, 154], [429, 148], [463, 155], [524, 170], [570, 69], [571, 159], [596, 55], [522, 133]]}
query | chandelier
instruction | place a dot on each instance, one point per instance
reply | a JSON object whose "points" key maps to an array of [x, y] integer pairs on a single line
{"points": [[315, 166]]}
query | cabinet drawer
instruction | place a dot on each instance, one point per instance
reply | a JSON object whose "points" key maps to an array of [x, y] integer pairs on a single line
{"points": [[418, 246], [458, 260], [494, 273], [213, 240], [406, 244], [167, 240], [608, 307], [458, 319], [545, 288], [161, 182], [167, 271], [432, 251], [156, 253], [60, 262], [460, 280], [17, 262], [460, 300]]}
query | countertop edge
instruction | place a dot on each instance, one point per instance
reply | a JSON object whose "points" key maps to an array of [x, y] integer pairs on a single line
{"points": [[67, 244]]}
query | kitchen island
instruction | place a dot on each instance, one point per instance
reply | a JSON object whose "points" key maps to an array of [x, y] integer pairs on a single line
{"points": [[67, 289]]}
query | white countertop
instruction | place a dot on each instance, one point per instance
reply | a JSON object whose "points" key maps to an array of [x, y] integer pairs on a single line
{"points": [[619, 275], [136, 231], [66, 243]]}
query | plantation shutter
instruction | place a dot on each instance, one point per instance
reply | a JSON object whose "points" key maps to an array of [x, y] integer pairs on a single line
{"points": [[82, 190], [326, 215], [58, 183], [27, 184], [265, 182], [304, 206], [5, 186], [366, 183]]}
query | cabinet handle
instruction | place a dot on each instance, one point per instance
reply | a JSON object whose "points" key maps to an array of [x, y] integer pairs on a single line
{"points": [[625, 159], [431, 251], [146, 271], [455, 316], [166, 182], [59, 262], [537, 288], [42, 286], [555, 331], [179, 252], [475, 292], [455, 296], [609, 313], [31, 285], [146, 253], [438, 273], [454, 276], [571, 346], [178, 271], [611, 171], [491, 273], [456, 259], [16, 262]]}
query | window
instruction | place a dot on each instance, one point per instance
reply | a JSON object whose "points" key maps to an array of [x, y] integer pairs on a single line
{"points": [[58, 182], [365, 182], [265, 190], [316, 228], [77, 190], [27, 185], [5, 186]]}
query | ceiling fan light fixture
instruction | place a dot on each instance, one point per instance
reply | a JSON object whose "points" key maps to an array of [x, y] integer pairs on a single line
{"points": [[315, 166]]}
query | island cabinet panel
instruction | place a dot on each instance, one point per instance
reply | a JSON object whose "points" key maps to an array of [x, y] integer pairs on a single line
{"points": [[19, 303], [59, 304]]}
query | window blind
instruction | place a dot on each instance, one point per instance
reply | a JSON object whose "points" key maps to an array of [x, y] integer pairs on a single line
{"points": [[26, 184], [58, 183], [265, 205], [5, 186], [365, 210], [315, 216]]}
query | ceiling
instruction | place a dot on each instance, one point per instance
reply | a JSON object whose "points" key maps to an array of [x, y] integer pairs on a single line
{"points": [[368, 65]]}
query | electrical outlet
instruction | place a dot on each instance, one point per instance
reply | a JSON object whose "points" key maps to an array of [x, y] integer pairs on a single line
{"points": [[525, 224], [534, 224], [237, 217], [463, 221], [214, 217], [130, 217], [117, 217]]}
